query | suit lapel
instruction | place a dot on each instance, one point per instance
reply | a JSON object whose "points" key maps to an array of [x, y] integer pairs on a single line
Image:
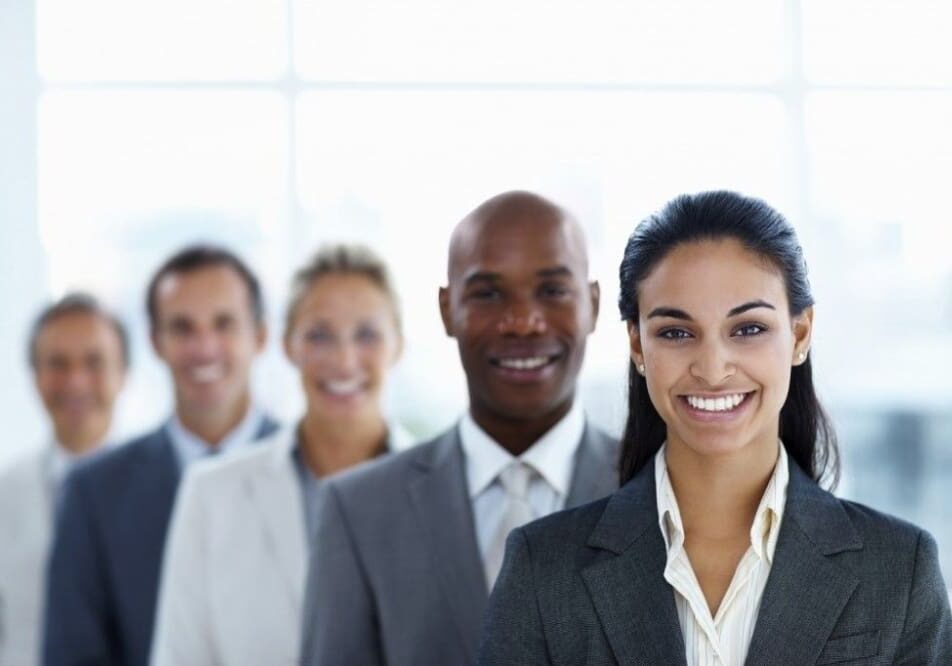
{"points": [[806, 591], [276, 496], [266, 428], [634, 603], [439, 497], [595, 472]]}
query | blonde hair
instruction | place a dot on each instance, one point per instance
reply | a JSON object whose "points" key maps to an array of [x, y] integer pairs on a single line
{"points": [[342, 259]]}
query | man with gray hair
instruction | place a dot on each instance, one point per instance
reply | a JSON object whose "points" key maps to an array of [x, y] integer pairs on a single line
{"points": [[79, 354]]}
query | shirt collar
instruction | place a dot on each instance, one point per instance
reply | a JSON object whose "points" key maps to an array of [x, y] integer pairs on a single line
{"points": [[61, 460], [763, 531], [189, 447], [552, 455]]}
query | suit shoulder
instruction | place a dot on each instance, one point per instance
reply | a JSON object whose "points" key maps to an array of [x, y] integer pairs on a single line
{"points": [[23, 465], [881, 529], [571, 526], [114, 464], [386, 474], [21, 474], [603, 440], [232, 466]]}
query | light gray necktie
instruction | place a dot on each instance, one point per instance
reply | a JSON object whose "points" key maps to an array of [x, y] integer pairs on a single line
{"points": [[514, 480]]}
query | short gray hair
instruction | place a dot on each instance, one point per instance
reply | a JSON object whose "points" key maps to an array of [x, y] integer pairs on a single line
{"points": [[76, 303]]}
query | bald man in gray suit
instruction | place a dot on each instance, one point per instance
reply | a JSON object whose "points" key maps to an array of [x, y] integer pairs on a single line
{"points": [[409, 547]]}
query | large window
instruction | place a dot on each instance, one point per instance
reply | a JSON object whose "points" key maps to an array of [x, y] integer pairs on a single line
{"points": [[274, 125]]}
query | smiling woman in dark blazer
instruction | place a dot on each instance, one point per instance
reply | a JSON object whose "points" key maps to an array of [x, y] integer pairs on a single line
{"points": [[721, 547]]}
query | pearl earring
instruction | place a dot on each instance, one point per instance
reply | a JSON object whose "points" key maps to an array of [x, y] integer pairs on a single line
{"points": [[641, 368], [802, 356]]}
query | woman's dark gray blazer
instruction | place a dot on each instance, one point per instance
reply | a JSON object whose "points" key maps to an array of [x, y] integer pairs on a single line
{"points": [[847, 585]]}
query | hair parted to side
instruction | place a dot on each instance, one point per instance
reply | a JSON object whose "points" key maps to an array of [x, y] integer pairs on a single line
{"points": [[196, 257], [805, 429], [77, 302], [338, 259]]}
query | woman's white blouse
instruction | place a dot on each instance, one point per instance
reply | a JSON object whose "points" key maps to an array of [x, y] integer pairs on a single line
{"points": [[721, 640]]}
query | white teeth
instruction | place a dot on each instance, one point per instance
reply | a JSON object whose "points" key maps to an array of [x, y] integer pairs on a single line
{"points": [[720, 404], [207, 373], [530, 363], [344, 386]]}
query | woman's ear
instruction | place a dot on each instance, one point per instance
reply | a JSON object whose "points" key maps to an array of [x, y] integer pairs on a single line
{"points": [[634, 347], [802, 335]]}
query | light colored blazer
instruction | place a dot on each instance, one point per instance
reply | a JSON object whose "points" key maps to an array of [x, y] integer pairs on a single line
{"points": [[233, 572], [26, 523], [848, 585], [396, 576], [233, 576]]}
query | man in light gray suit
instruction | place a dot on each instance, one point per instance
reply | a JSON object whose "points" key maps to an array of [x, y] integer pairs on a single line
{"points": [[79, 354], [409, 547]]}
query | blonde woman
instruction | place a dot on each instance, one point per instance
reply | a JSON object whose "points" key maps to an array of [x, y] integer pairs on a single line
{"points": [[235, 562]]}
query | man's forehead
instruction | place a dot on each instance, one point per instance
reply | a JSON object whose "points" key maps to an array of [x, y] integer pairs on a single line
{"points": [[516, 246], [56, 339]]}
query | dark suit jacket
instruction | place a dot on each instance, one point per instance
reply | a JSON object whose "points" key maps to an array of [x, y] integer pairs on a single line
{"points": [[396, 576], [107, 554], [847, 585]]}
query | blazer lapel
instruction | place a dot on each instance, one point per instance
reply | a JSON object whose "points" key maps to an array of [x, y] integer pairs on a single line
{"points": [[276, 495], [806, 591], [633, 601], [596, 468], [439, 497]]}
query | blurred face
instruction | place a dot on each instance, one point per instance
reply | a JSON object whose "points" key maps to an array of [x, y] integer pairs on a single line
{"points": [[718, 343], [79, 371], [520, 308], [343, 339], [206, 333]]}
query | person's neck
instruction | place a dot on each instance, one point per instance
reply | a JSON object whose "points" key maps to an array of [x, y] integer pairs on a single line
{"points": [[78, 443], [212, 426], [718, 495], [330, 445], [517, 435]]}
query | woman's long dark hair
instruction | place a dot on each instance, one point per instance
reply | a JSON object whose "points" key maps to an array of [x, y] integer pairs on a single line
{"points": [[805, 429]]}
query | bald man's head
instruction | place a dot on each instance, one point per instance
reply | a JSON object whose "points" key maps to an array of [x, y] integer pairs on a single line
{"points": [[517, 207], [519, 303]]}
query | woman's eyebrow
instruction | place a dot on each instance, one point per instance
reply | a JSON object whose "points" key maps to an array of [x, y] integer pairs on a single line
{"points": [[674, 313], [740, 309]]}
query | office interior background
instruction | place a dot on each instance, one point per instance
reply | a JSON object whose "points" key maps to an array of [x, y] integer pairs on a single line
{"points": [[128, 128]]}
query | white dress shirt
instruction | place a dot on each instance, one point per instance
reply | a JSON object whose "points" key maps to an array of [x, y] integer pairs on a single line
{"points": [[189, 447], [721, 640], [552, 457]]}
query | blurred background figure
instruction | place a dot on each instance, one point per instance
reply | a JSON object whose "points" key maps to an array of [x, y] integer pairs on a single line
{"points": [[79, 354], [205, 309], [233, 576]]}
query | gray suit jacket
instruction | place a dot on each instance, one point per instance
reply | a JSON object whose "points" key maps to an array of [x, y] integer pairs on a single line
{"points": [[396, 577], [847, 585]]}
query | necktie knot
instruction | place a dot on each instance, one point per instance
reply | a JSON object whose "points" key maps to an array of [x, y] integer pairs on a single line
{"points": [[515, 479]]}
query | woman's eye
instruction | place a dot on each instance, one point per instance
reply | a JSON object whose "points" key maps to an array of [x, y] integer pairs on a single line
{"points": [[367, 336], [748, 330], [674, 334], [318, 336]]}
